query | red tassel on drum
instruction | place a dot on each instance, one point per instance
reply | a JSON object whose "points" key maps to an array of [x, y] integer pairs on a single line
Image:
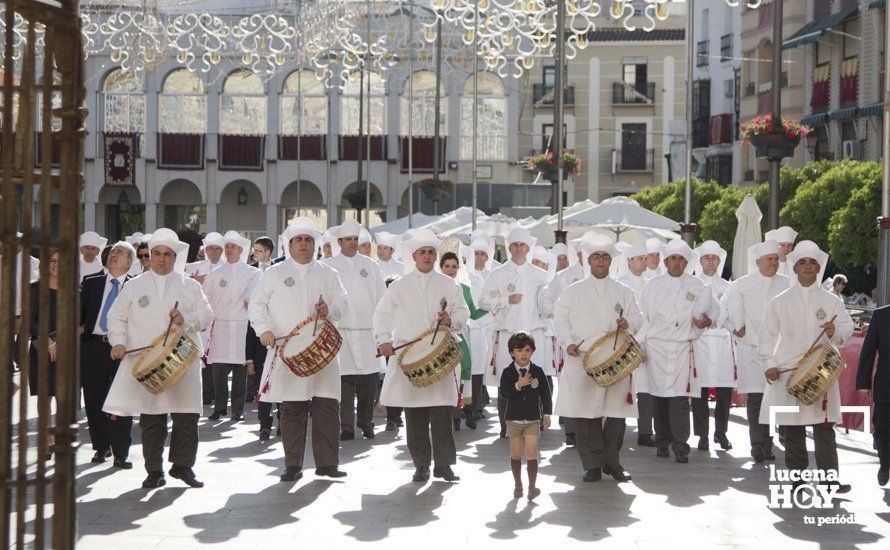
{"points": [[825, 408], [688, 387], [630, 398]]}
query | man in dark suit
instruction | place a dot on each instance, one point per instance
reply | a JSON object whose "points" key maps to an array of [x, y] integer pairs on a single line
{"points": [[877, 342], [110, 434], [254, 351]]}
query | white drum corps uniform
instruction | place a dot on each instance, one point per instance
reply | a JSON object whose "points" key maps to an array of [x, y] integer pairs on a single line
{"points": [[139, 315]]}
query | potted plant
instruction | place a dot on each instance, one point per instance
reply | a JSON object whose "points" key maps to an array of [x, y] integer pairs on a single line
{"points": [[546, 164], [771, 140], [357, 199], [436, 190]]}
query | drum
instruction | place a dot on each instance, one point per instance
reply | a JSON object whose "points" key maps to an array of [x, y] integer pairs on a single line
{"points": [[425, 362], [160, 366], [608, 362], [815, 373], [305, 354]]}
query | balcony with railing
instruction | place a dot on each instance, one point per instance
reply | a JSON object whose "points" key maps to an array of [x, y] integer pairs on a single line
{"points": [[720, 130], [702, 51], [634, 160], [542, 94], [700, 132], [640, 93]]}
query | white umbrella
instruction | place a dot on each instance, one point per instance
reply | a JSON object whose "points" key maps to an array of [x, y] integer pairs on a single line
{"points": [[497, 225], [747, 234], [399, 226], [455, 218]]}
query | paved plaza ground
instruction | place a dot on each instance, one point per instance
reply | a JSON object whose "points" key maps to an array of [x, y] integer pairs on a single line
{"points": [[719, 499]]}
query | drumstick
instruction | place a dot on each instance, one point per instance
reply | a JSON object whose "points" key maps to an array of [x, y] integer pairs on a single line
{"points": [[444, 304], [406, 344], [129, 351], [620, 313], [315, 325], [170, 324], [821, 334]]}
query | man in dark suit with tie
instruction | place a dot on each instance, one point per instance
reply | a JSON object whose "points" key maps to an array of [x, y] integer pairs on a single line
{"points": [[877, 342], [110, 435]]}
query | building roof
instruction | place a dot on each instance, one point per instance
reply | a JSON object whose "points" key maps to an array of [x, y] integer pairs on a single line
{"points": [[623, 35]]}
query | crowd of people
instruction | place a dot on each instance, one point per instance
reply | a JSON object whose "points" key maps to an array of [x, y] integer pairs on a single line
{"points": [[315, 327]]}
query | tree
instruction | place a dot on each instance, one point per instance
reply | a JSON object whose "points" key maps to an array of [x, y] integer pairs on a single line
{"points": [[853, 234], [669, 199], [810, 210], [790, 180], [650, 197]]}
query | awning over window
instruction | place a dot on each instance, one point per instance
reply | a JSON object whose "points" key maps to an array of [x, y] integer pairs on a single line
{"points": [[817, 119], [811, 32], [843, 114], [875, 109], [878, 4]]}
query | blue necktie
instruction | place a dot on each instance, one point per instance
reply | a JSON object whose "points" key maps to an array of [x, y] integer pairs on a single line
{"points": [[112, 295]]}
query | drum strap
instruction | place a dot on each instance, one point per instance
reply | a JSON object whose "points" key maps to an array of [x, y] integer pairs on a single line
{"points": [[494, 353], [693, 372]]}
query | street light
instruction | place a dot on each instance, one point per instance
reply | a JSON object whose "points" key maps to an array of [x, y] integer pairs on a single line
{"points": [[242, 196], [123, 203]]}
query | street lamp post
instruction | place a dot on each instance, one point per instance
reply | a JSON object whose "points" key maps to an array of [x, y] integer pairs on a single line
{"points": [[558, 115], [775, 164], [687, 228], [884, 219]]}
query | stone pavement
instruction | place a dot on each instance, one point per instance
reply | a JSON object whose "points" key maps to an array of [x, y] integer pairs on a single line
{"points": [[719, 499]]}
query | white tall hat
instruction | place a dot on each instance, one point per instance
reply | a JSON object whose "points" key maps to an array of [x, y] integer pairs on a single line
{"points": [[233, 237], [784, 234], [91, 238], [213, 239], [808, 249], [710, 248], [168, 237]]}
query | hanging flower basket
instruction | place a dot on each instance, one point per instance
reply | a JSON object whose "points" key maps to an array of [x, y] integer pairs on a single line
{"points": [[358, 200], [436, 190], [546, 165], [772, 141]]}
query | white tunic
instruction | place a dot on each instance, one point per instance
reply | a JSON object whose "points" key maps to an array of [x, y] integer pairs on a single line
{"points": [[408, 308], [140, 314], [637, 283], [669, 304], [507, 318], [480, 330], [792, 325], [363, 280], [88, 268], [713, 351], [587, 311], [549, 295], [285, 295], [228, 288], [391, 268], [744, 304], [202, 268]]}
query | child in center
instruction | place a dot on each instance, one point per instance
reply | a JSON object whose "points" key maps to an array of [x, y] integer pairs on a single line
{"points": [[525, 386]]}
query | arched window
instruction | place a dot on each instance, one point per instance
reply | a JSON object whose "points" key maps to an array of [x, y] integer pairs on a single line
{"points": [[375, 105], [491, 134], [242, 106], [424, 107], [124, 103], [302, 87], [182, 105]]}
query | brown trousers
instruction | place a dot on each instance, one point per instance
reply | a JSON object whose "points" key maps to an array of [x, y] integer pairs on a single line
{"points": [[325, 414]]}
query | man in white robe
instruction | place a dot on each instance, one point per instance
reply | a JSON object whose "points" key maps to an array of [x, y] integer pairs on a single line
{"points": [[228, 289], [714, 354], [784, 237], [91, 246], [677, 307], [212, 245], [563, 256], [745, 303], [411, 306], [386, 251], [511, 294], [141, 313], [359, 365], [654, 267], [479, 263], [287, 294], [635, 258], [795, 319], [364, 243], [587, 311], [573, 273]]}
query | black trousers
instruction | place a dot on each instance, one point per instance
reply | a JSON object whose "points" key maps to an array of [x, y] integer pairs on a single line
{"points": [[881, 419], [701, 413], [646, 408], [221, 387], [97, 371], [672, 423], [796, 455], [207, 384], [361, 388], [477, 389], [421, 422], [183, 441], [325, 414], [757, 432]]}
